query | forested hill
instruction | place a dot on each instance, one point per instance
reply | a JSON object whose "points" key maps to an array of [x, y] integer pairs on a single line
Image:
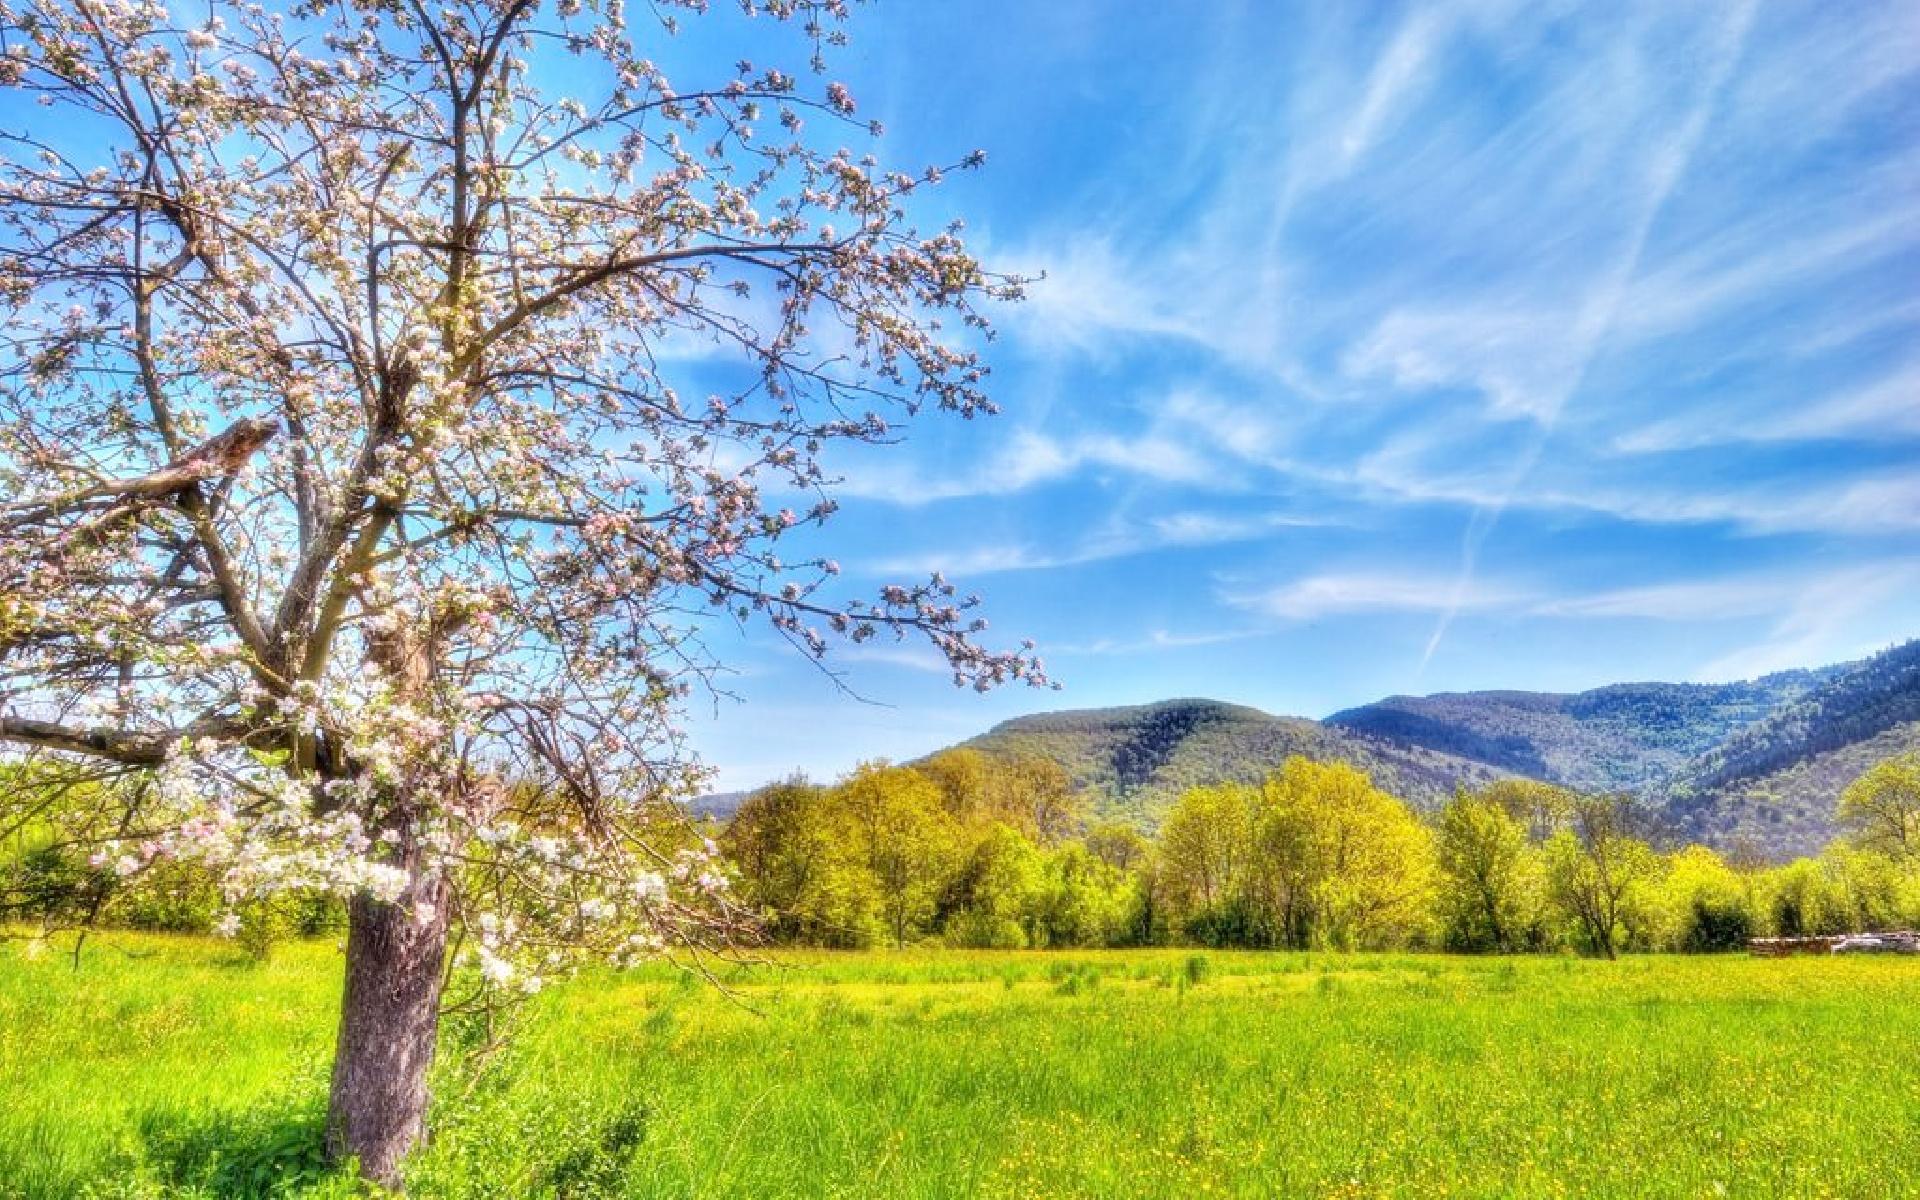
{"points": [[1627, 736], [1772, 782], [1757, 765], [1136, 760], [1851, 704]]}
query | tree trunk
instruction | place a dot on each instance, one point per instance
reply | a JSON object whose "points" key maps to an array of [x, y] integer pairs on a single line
{"points": [[1492, 903], [389, 1016]]}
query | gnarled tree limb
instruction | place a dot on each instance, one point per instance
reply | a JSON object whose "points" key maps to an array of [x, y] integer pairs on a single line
{"points": [[222, 455], [130, 748]]}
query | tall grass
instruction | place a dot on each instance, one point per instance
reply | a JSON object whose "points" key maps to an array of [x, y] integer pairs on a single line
{"points": [[177, 1067]]}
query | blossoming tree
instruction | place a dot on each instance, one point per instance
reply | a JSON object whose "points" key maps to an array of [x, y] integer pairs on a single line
{"points": [[354, 519]]}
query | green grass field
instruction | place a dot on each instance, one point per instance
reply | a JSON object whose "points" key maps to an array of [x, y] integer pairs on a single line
{"points": [[176, 1067]]}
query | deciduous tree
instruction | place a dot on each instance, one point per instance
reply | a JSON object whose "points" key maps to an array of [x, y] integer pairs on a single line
{"points": [[1599, 873], [1340, 862], [1705, 905], [1882, 807], [1488, 875], [1205, 850], [390, 394], [909, 841], [799, 867]]}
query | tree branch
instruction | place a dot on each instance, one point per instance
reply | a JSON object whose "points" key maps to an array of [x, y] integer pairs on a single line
{"points": [[613, 268], [131, 749], [219, 457]]}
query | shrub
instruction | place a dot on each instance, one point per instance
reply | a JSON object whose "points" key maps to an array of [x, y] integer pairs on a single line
{"points": [[1715, 925], [985, 931]]}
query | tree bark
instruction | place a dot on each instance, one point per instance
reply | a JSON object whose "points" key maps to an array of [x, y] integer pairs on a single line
{"points": [[389, 1016]]}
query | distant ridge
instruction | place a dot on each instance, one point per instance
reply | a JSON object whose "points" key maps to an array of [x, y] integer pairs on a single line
{"points": [[1773, 782], [1754, 766], [1136, 760], [1624, 736]]}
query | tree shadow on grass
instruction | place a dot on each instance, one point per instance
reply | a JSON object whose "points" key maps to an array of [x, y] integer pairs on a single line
{"points": [[276, 1150], [273, 1149]]}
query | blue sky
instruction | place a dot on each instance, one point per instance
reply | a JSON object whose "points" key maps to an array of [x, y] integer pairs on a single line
{"points": [[1390, 349]]}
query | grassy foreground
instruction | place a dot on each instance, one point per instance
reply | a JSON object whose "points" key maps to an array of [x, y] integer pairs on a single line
{"points": [[175, 1067]]}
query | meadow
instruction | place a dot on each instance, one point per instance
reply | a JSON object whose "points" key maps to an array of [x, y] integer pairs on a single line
{"points": [[177, 1066]]}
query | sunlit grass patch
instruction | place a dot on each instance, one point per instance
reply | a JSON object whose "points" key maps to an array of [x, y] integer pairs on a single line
{"points": [[172, 1066]]}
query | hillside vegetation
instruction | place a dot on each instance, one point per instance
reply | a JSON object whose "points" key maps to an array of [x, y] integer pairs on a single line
{"points": [[1770, 783], [1786, 810], [1622, 737], [1754, 766], [1134, 762]]}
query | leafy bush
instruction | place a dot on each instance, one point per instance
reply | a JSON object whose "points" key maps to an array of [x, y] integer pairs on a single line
{"points": [[985, 931], [47, 884], [1714, 926]]}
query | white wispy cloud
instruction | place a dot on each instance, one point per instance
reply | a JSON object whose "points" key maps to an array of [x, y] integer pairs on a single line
{"points": [[1887, 503], [1399, 70], [1087, 292], [915, 656], [1549, 226], [1259, 429], [1516, 356], [1155, 640], [1027, 459], [1831, 619], [1426, 468], [969, 563], [1343, 594], [1766, 255], [1596, 315], [1793, 599], [1118, 538], [1832, 69], [1885, 407], [1214, 528]]}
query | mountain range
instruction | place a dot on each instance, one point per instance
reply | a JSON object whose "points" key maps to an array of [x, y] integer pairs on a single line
{"points": [[1753, 767]]}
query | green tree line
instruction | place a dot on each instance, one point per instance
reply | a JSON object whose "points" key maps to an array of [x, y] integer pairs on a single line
{"points": [[985, 851], [976, 850]]}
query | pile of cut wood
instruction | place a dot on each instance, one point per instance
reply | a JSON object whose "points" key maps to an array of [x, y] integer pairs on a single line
{"points": [[1781, 947], [1900, 941], [1903, 941]]}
